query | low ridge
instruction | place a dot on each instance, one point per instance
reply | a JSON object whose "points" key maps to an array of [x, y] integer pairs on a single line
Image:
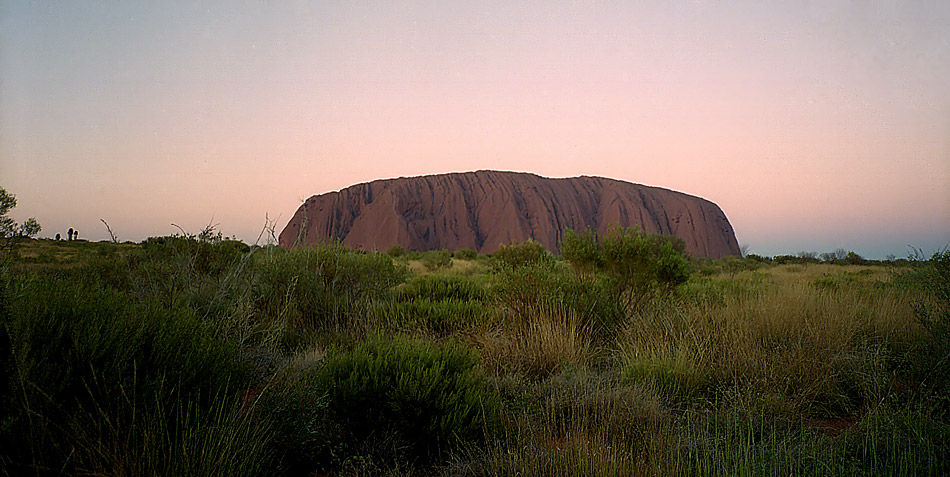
{"points": [[485, 209]]}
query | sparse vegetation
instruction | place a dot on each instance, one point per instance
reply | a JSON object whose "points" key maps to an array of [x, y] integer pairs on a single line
{"points": [[198, 355]]}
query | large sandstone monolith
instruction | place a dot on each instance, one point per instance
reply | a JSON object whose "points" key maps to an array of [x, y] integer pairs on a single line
{"points": [[485, 209]]}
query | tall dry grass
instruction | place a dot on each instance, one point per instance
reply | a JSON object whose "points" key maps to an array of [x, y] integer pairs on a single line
{"points": [[778, 340], [537, 344]]}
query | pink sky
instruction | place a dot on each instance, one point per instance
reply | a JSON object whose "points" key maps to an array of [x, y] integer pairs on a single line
{"points": [[814, 125]]}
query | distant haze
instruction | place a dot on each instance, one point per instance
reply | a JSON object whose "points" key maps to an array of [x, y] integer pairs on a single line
{"points": [[814, 125]]}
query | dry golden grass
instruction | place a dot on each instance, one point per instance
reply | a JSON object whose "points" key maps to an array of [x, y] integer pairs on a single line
{"points": [[461, 267], [579, 422], [790, 342], [465, 268], [537, 344]]}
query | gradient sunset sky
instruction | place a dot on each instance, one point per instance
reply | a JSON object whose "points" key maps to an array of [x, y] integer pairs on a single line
{"points": [[813, 125]]}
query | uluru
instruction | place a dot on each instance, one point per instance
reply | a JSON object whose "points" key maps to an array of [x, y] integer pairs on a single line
{"points": [[483, 210]]}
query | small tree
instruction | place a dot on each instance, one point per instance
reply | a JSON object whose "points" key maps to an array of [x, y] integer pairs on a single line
{"points": [[69, 233], [11, 233]]}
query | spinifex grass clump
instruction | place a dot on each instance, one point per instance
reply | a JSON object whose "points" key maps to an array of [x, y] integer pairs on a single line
{"points": [[442, 287], [537, 344], [574, 423], [438, 303], [326, 286], [396, 402], [102, 384]]}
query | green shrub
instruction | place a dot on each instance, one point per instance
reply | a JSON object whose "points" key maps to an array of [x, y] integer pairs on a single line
{"points": [[582, 250], [207, 253], [930, 283], [87, 357], [441, 287], [400, 401], [521, 254], [637, 265], [328, 285], [436, 259], [439, 303], [441, 317], [465, 254], [528, 286], [548, 286]]}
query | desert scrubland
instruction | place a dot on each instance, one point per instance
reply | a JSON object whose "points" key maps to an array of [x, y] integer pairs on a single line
{"points": [[198, 355]]}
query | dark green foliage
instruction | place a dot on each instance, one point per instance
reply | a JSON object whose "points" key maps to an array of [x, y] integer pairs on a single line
{"points": [[528, 286], [758, 258], [328, 285], [738, 442], [930, 281], [854, 259], [546, 285], [734, 265], [802, 258], [205, 254], [403, 401], [582, 250], [465, 254], [12, 233], [521, 254], [441, 287], [436, 259], [195, 355], [637, 265], [440, 303], [90, 357], [396, 251], [304, 440], [442, 317]]}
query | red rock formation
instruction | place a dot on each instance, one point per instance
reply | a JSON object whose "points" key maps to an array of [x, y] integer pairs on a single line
{"points": [[485, 209]]}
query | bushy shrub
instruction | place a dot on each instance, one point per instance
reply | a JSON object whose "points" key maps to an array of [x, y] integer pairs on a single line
{"points": [[855, 259], [548, 286], [322, 286], [436, 259], [439, 303], [582, 250], [528, 286], [930, 282], [400, 401], [441, 287], [441, 317], [86, 357], [636, 264], [207, 253], [521, 254], [465, 254]]}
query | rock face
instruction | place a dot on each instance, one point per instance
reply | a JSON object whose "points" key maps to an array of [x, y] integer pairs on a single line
{"points": [[486, 209]]}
